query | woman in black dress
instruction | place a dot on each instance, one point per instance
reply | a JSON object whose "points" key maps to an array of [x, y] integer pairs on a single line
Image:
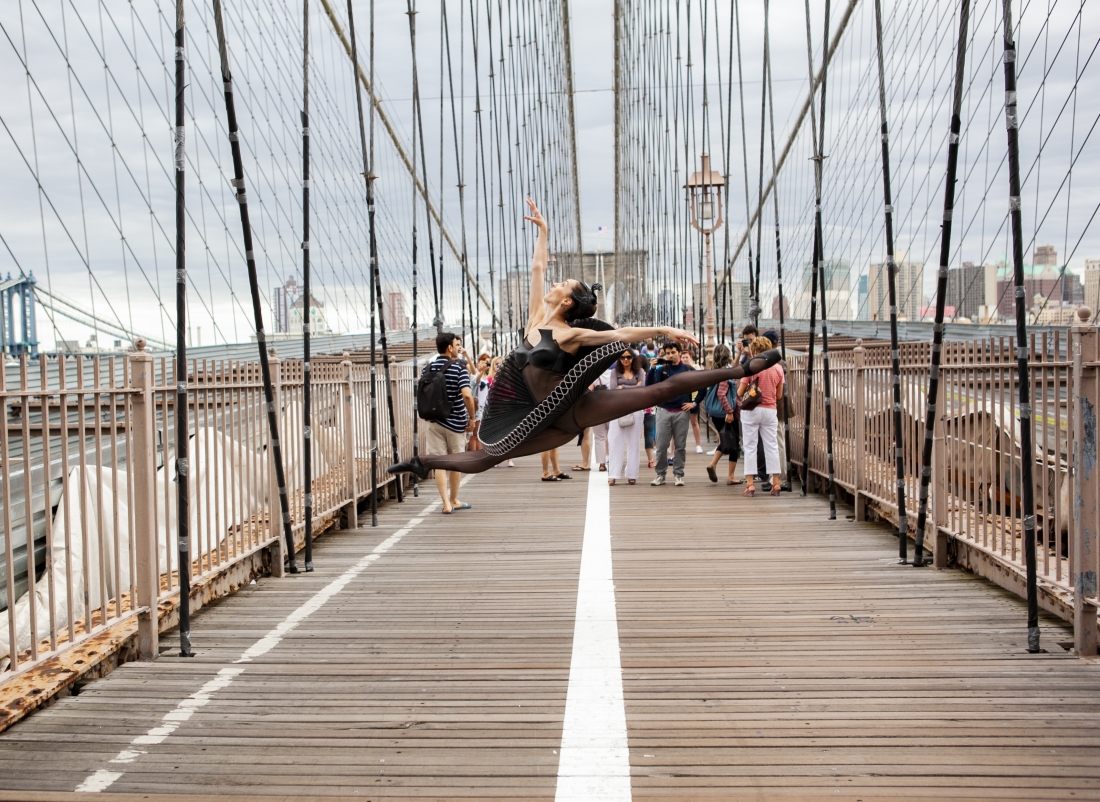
{"points": [[540, 398]]}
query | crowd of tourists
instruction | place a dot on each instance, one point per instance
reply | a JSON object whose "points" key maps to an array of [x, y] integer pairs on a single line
{"points": [[743, 417]]}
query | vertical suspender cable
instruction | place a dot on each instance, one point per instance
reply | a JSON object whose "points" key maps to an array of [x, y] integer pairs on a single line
{"points": [[254, 286], [757, 300], [823, 282], [744, 140], [778, 259], [891, 269], [376, 280], [941, 282], [807, 418], [307, 397], [1012, 124], [418, 133], [183, 514], [416, 303], [373, 304]]}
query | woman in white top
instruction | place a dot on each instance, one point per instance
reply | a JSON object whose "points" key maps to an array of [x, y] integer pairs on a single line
{"points": [[481, 382], [624, 376]]}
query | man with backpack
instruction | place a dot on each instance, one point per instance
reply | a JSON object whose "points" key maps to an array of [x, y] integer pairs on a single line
{"points": [[445, 401]]}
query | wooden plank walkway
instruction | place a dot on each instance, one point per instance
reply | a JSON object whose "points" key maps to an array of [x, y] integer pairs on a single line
{"points": [[766, 653]]}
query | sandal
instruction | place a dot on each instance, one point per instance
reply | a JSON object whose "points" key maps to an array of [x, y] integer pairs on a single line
{"points": [[749, 491], [734, 482], [579, 468], [603, 468], [550, 479], [610, 482], [711, 473], [775, 491], [564, 476], [631, 481]]}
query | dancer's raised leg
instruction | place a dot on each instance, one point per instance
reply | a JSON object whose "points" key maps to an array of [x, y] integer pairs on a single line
{"points": [[478, 461], [596, 408]]}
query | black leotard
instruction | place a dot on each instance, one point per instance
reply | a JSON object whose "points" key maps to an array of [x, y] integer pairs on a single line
{"points": [[546, 354], [536, 386]]}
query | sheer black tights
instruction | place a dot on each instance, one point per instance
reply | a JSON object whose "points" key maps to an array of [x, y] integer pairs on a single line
{"points": [[592, 409]]}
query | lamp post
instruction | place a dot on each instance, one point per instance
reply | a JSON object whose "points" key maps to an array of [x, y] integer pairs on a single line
{"points": [[705, 201]]}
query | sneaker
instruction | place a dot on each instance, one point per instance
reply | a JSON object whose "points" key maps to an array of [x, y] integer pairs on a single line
{"points": [[699, 450], [658, 481], [679, 482], [711, 452]]}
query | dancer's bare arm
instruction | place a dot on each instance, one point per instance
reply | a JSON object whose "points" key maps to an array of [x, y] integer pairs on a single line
{"points": [[535, 311], [627, 334]]}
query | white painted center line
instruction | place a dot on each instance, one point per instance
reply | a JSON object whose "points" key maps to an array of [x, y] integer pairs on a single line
{"points": [[102, 779], [595, 760]]}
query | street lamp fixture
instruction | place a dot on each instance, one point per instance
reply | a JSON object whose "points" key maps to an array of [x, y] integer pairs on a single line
{"points": [[704, 197]]}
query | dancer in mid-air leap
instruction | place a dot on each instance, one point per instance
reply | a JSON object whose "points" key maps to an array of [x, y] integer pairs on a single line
{"points": [[540, 398]]}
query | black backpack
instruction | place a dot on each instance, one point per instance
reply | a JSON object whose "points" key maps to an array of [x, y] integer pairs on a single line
{"points": [[432, 401]]}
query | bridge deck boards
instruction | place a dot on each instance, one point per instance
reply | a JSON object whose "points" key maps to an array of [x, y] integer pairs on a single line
{"points": [[766, 652]]}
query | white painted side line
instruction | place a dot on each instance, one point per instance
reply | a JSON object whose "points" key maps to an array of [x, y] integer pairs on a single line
{"points": [[102, 779], [595, 761]]}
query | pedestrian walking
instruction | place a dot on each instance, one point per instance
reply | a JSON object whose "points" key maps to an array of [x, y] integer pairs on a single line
{"points": [[758, 396], [624, 437], [673, 417], [721, 406], [446, 403]]}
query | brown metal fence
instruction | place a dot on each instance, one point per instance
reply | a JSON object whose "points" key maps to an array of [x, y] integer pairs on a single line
{"points": [[976, 508], [87, 484]]}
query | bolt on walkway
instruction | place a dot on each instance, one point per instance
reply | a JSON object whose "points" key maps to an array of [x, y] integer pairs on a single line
{"points": [[763, 652]]}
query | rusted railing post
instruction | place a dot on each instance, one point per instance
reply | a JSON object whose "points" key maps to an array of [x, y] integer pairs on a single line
{"points": [[274, 508], [858, 361], [350, 515], [939, 482], [143, 473], [1086, 487]]}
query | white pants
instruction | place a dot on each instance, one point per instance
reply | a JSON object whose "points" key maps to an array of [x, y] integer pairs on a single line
{"points": [[620, 440], [599, 434], [762, 423]]}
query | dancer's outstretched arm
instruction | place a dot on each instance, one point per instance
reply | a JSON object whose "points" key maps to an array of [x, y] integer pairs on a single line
{"points": [[535, 307], [627, 334]]}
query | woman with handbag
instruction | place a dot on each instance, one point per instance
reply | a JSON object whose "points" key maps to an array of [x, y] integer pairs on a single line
{"points": [[625, 433], [721, 404], [758, 396]]}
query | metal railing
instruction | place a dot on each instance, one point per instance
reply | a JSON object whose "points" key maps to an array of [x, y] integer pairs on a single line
{"points": [[976, 498], [87, 485]]}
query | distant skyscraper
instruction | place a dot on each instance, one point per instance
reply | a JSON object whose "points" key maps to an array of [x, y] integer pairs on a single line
{"points": [[966, 290], [1092, 284], [910, 290], [863, 298], [838, 291], [397, 316]]}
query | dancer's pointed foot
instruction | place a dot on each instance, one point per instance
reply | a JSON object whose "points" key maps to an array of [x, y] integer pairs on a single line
{"points": [[413, 466], [763, 361]]}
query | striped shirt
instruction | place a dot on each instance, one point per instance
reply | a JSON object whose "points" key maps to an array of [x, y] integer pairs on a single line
{"points": [[457, 378]]}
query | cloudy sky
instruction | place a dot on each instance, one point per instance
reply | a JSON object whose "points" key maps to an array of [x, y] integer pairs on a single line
{"points": [[85, 153]]}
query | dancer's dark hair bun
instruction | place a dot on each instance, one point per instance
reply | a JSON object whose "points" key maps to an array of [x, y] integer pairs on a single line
{"points": [[584, 301]]}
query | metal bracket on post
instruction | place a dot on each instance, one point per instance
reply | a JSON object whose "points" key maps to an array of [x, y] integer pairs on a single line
{"points": [[1085, 348], [939, 537], [275, 524], [144, 470], [859, 359], [350, 513]]}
